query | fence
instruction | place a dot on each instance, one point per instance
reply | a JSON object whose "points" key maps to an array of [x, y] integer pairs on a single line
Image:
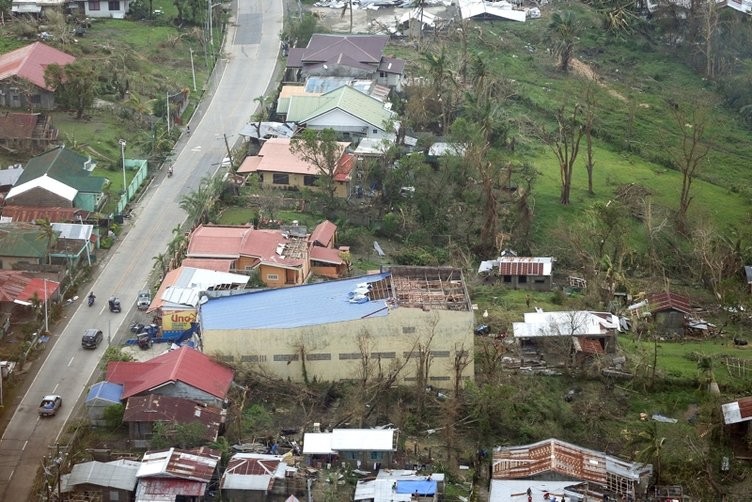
{"points": [[142, 170]]}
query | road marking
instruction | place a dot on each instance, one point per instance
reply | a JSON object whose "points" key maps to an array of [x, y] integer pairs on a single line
{"points": [[24, 446], [11, 474], [71, 361], [56, 386]]}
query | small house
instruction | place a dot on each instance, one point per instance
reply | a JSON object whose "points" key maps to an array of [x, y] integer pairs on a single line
{"points": [[253, 477], [59, 178], [142, 413], [183, 372], [176, 475], [400, 486], [105, 481], [520, 272], [668, 311], [565, 471], [22, 83], [101, 396], [365, 449]]}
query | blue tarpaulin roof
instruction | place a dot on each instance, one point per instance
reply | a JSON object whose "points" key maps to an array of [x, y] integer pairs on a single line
{"points": [[420, 487], [105, 391], [309, 305]]}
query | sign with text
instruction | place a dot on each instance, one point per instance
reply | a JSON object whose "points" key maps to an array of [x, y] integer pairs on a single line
{"points": [[179, 320]]}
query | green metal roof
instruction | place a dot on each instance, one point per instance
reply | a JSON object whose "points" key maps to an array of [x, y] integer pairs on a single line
{"points": [[22, 240], [65, 166], [360, 105]]}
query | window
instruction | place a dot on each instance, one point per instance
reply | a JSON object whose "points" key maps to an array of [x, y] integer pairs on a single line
{"points": [[539, 280], [113, 5], [281, 179], [318, 357], [439, 353], [36, 99], [522, 279], [310, 180], [249, 359], [406, 330], [439, 379], [350, 355], [114, 495], [377, 455], [382, 74], [272, 277], [375, 131], [384, 355], [507, 278], [285, 357], [94, 5], [226, 359]]}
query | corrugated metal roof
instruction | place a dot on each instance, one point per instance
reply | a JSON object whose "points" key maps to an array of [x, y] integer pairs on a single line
{"points": [[381, 489], [352, 101], [512, 490], [737, 411], [521, 265], [182, 464], [317, 443], [571, 323], [323, 234], [307, 305], [363, 439], [119, 474], [160, 408], [10, 176], [31, 214], [30, 62], [252, 471], [474, 8], [660, 302], [185, 364], [77, 231], [166, 490], [46, 183]]}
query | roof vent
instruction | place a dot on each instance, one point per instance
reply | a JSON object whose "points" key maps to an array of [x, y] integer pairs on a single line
{"points": [[280, 249]]}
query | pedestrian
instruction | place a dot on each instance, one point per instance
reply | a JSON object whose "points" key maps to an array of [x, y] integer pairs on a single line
{"points": [[188, 130]]}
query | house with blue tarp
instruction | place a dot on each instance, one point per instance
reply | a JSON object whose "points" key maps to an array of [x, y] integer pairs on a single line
{"points": [[101, 396]]}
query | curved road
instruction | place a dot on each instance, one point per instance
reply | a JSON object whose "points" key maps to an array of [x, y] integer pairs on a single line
{"points": [[244, 72]]}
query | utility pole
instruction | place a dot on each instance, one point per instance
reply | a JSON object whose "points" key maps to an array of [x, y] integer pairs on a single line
{"points": [[167, 111], [229, 152], [46, 321], [193, 71], [211, 31]]}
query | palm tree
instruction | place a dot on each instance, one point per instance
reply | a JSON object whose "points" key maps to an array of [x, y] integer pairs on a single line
{"points": [[47, 233], [262, 112], [563, 30], [651, 448], [159, 261]]}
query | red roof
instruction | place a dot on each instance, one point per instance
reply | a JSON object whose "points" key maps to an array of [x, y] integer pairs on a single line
{"points": [[660, 302], [43, 289], [17, 125], [590, 346], [214, 264], [345, 166], [31, 214], [520, 268], [185, 365], [12, 283], [30, 62], [232, 242], [326, 255], [323, 234]]}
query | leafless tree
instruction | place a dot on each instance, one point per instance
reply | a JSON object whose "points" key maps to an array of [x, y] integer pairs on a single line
{"points": [[589, 117], [690, 153], [564, 141]]}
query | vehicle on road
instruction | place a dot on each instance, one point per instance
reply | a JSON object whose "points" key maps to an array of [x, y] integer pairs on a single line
{"points": [[91, 339], [49, 405], [114, 304], [144, 299], [91, 298]]}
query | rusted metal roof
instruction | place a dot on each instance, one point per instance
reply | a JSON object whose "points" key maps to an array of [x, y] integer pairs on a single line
{"points": [[31, 214], [737, 411], [661, 302], [521, 265], [160, 490], [195, 465], [158, 408], [589, 345]]}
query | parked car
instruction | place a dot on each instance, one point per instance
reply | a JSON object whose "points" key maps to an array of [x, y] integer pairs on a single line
{"points": [[50, 404], [144, 299], [91, 339]]}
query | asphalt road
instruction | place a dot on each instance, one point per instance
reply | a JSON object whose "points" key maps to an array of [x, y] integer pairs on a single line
{"points": [[246, 67]]}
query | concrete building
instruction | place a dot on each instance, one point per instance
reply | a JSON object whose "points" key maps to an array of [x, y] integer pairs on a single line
{"points": [[382, 324]]}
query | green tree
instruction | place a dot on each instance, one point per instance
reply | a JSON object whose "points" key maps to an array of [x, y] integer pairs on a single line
{"points": [[201, 204], [48, 234], [563, 31], [113, 416], [74, 85], [321, 150]]}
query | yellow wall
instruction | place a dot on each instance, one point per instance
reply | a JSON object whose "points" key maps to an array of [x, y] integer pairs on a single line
{"points": [[402, 330], [297, 180]]}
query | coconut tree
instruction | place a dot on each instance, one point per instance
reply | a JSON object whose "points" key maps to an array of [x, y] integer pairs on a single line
{"points": [[47, 233], [563, 31]]}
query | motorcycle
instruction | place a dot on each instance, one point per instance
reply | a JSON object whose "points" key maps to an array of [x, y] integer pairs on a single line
{"points": [[91, 300], [169, 173]]}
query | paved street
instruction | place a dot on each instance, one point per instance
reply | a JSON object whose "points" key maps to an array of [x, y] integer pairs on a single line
{"points": [[247, 66]]}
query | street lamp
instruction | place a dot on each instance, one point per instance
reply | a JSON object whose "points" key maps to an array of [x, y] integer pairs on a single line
{"points": [[46, 320], [122, 155]]}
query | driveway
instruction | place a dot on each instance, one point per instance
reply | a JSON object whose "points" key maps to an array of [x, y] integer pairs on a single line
{"points": [[247, 65]]}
